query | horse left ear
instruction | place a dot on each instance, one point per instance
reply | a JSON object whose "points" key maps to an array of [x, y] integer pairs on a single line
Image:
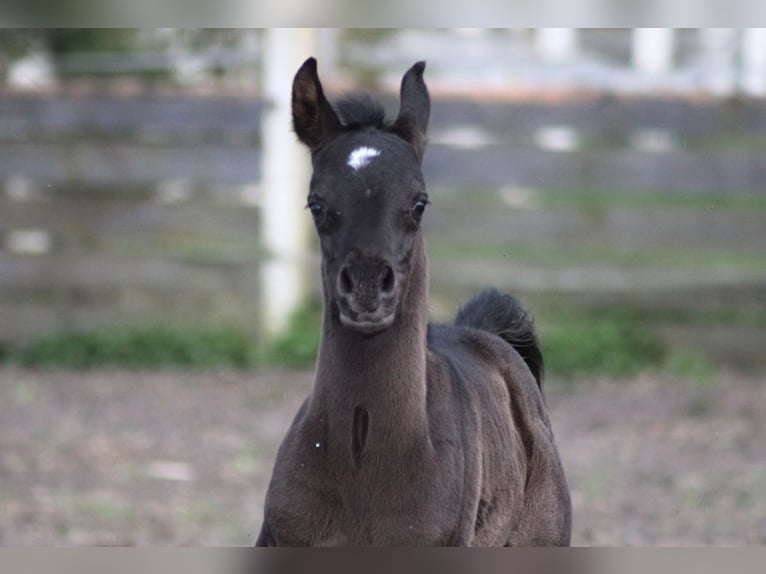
{"points": [[414, 109], [314, 120]]}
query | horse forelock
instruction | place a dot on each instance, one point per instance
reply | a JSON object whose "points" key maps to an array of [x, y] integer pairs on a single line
{"points": [[358, 111]]}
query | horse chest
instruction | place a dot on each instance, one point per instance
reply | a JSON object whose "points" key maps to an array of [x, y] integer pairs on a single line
{"points": [[359, 498]]}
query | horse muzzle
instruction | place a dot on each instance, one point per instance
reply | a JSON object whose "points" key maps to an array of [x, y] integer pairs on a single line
{"points": [[367, 326], [367, 295]]}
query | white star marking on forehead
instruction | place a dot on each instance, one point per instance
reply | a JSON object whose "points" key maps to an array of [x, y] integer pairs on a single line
{"points": [[361, 156]]}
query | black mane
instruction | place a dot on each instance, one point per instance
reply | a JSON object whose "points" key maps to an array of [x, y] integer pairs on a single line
{"points": [[361, 111]]}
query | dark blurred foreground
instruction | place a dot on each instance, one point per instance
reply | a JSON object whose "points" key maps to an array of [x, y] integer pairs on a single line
{"points": [[297, 561]]}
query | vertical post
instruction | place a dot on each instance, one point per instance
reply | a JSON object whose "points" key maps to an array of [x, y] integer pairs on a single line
{"points": [[327, 51], [652, 50], [719, 47], [754, 61], [286, 173], [556, 45]]}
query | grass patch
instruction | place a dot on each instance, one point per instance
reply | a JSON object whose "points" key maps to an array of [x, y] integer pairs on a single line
{"points": [[606, 343], [297, 348], [137, 347], [618, 342], [159, 346], [690, 366], [743, 315], [576, 343]]}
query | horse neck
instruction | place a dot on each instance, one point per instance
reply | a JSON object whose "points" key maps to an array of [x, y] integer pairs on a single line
{"points": [[385, 373]]}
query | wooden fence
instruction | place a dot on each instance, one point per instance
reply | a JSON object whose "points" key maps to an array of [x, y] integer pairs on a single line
{"points": [[116, 141], [136, 209]]}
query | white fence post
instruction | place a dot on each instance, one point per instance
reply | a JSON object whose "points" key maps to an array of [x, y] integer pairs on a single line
{"points": [[652, 49], [286, 173], [754, 61], [556, 45], [719, 47]]}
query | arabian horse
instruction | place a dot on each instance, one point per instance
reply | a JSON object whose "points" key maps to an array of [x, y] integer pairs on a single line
{"points": [[414, 434]]}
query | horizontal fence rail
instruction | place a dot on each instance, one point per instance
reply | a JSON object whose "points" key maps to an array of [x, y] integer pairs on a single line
{"points": [[120, 209], [601, 144]]}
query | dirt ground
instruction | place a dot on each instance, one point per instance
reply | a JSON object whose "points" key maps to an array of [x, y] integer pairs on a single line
{"points": [[121, 458]]}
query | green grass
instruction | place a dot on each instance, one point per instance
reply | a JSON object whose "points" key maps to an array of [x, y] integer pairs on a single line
{"points": [[691, 366], [172, 346], [297, 348], [151, 346], [576, 343], [622, 341], [731, 316], [616, 344]]}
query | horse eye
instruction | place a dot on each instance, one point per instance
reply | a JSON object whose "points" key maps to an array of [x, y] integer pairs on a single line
{"points": [[418, 208], [315, 208]]}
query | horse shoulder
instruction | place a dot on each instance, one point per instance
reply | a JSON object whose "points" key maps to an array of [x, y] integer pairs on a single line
{"points": [[299, 501]]}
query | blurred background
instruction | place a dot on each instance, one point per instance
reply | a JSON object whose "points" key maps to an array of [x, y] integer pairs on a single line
{"points": [[159, 292]]}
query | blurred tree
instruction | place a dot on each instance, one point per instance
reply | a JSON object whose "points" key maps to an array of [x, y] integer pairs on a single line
{"points": [[365, 72], [146, 53], [64, 41], [207, 38], [213, 41], [16, 43], [58, 43], [100, 53]]}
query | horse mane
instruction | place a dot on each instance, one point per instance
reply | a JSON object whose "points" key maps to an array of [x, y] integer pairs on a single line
{"points": [[361, 110]]}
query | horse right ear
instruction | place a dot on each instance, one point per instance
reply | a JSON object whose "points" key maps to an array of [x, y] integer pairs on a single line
{"points": [[314, 120], [414, 109]]}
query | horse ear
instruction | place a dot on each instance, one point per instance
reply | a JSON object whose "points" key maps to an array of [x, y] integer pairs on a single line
{"points": [[414, 109], [314, 120]]}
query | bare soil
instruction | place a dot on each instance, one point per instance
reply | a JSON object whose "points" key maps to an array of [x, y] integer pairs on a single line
{"points": [[172, 458]]}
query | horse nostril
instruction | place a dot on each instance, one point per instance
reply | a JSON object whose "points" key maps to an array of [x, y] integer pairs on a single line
{"points": [[345, 283], [388, 281]]}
